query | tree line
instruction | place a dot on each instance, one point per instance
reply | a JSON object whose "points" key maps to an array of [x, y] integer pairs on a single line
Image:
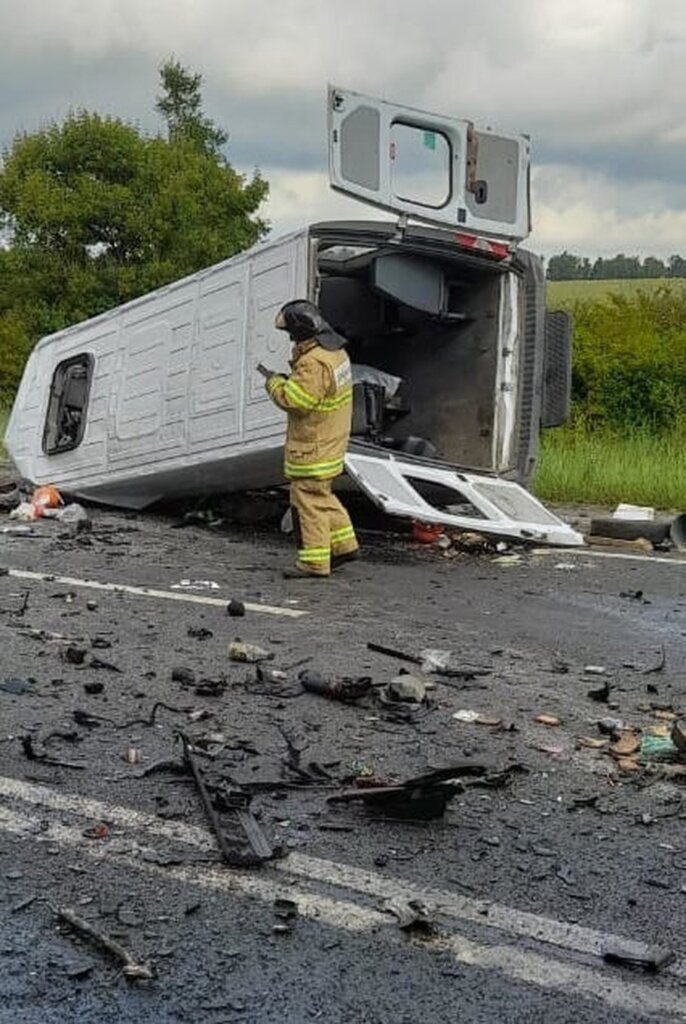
{"points": [[95, 212], [568, 267]]}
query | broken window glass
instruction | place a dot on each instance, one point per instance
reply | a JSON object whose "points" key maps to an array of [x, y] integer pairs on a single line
{"points": [[65, 422]]}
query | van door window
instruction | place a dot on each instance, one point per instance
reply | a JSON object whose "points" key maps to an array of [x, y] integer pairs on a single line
{"points": [[420, 165], [65, 422]]}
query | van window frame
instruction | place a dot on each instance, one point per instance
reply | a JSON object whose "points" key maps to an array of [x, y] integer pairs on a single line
{"points": [[420, 127], [56, 403]]}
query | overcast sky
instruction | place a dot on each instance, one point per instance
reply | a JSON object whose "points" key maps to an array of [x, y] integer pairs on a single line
{"points": [[598, 84]]}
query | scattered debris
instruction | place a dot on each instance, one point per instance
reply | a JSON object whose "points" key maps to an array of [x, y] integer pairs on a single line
{"points": [[343, 689], [627, 743], [286, 911], [236, 609], [93, 688], [15, 685], [658, 748], [679, 736], [659, 664], [99, 831], [431, 661], [239, 651], [132, 755], [407, 688], [465, 715], [130, 967], [559, 665], [270, 675], [426, 533], [602, 694], [641, 544], [507, 560], [200, 633], [549, 720], [107, 666], [211, 687], [594, 670], [420, 798], [634, 513], [185, 676], [631, 595], [412, 915], [195, 585], [591, 743], [75, 655], [636, 954], [40, 755], [150, 720], [610, 726], [238, 802]]}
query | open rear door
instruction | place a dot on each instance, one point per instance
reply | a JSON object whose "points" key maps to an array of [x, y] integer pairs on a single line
{"points": [[468, 501], [438, 169]]}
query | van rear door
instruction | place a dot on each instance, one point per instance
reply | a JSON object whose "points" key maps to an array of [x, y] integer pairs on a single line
{"points": [[408, 488], [443, 170]]}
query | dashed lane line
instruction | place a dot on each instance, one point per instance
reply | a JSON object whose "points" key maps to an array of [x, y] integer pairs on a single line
{"points": [[305, 877], [622, 556], [167, 595]]}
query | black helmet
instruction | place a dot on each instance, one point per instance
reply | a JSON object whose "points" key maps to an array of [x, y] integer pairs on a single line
{"points": [[303, 320]]}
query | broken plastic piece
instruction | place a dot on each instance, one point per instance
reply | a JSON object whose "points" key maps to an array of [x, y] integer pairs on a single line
{"points": [[46, 496], [407, 688], [637, 954], [239, 651], [344, 689], [434, 660]]}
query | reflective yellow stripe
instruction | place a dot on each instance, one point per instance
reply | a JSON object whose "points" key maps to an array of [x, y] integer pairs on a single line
{"points": [[298, 396], [314, 555], [330, 404], [344, 533], [275, 382], [314, 469]]}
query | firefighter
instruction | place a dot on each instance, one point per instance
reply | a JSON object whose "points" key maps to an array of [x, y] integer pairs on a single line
{"points": [[318, 399]]}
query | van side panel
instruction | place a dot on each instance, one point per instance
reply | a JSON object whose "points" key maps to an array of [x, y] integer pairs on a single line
{"points": [[174, 386]]}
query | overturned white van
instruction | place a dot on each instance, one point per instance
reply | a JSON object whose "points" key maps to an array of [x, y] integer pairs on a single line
{"points": [[457, 364]]}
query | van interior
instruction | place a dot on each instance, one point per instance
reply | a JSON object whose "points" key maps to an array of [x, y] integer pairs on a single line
{"points": [[423, 340]]}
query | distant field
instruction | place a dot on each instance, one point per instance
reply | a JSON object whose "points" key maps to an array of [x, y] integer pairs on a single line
{"points": [[604, 469], [566, 293]]}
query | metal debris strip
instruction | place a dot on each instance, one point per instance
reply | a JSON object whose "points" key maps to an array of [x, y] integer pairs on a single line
{"points": [[131, 968], [421, 798], [465, 673], [260, 847]]}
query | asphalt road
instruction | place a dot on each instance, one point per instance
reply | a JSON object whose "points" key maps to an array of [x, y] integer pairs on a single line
{"points": [[525, 883]]}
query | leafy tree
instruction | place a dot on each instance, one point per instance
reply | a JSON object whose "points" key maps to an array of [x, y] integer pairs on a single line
{"points": [[565, 267], [181, 107], [97, 213]]}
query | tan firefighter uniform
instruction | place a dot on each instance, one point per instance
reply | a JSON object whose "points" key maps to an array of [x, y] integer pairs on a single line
{"points": [[318, 399]]}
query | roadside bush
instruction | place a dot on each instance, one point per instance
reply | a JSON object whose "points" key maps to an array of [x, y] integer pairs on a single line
{"points": [[630, 361], [15, 346]]}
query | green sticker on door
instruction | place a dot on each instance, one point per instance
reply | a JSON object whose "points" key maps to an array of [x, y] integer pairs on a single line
{"points": [[430, 140]]}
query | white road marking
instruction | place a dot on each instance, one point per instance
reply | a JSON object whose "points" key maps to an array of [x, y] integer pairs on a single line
{"points": [[620, 555], [167, 595], [614, 987]]}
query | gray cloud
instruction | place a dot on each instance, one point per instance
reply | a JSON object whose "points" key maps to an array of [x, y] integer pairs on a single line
{"points": [[598, 86]]}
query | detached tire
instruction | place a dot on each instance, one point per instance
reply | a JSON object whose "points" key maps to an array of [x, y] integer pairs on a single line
{"points": [[631, 529]]}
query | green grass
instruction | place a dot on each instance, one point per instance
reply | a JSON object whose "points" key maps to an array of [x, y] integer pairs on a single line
{"points": [[604, 469], [565, 294], [4, 416]]}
